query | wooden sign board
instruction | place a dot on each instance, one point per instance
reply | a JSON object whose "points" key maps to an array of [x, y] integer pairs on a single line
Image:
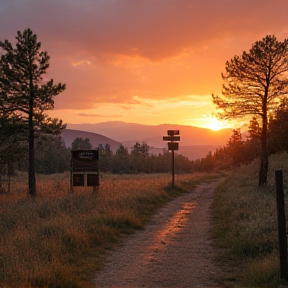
{"points": [[85, 160], [171, 138], [173, 132], [172, 146]]}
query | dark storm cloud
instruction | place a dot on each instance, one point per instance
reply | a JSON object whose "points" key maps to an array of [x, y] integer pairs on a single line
{"points": [[155, 29]]}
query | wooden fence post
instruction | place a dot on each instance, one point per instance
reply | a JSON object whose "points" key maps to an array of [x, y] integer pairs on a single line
{"points": [[281, 225]]}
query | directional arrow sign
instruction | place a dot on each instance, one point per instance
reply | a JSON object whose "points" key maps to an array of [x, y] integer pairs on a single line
{"points": [[173, 146], [173, 132], [171, 138]]}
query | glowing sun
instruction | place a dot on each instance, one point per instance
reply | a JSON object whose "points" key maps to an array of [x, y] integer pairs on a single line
{"points": [[214, 124]]}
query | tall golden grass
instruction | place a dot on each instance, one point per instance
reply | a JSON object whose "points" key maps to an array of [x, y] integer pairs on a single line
{"points": [[250, 236], [58, 239]]}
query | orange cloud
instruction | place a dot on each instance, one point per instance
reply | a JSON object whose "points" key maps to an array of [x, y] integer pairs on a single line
{"points": [[109, 51]]}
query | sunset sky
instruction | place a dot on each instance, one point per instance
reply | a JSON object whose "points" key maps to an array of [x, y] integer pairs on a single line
{"points": [[142, 61]]}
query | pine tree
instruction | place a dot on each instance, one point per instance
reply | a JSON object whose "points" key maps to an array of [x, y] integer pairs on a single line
{"points": [[252, 144], [24, 91], [253, 85], [234, 147]]}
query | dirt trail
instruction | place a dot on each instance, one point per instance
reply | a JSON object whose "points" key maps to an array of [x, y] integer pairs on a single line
{"points": [[174, 249]]}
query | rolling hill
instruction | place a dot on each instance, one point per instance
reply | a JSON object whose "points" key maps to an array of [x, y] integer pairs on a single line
{"points": [[69, 136], [194, 143]]}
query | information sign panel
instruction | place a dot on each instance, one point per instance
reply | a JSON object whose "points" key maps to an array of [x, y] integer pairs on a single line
{"points": [[84, 168], [92, 179], [78, 179], [85, 160]]}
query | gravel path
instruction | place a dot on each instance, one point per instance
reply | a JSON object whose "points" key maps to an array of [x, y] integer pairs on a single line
{"points": [[174, 249]]}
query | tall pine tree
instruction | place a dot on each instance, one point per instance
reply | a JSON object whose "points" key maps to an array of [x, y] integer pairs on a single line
{"points": [[24, 91], [254, 84]]}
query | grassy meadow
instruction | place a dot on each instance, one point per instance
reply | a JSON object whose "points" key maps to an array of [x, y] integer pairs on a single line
{"points": [[250, 237], [58, 239]]}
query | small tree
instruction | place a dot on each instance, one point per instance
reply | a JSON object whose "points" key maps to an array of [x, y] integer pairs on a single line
{"points": [[252, 144], [81, 144], [278, 129], [254, 129], [24, 91], [121, 161], [254, 83], [234, 147], [51, 155], [140, 150], [136, 150], [107, 150], [105, 157]]}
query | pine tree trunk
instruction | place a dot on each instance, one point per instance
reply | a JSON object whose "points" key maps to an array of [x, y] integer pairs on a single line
{"points": [[2, 190], [31, 174], [264, 155], [263, 169]]}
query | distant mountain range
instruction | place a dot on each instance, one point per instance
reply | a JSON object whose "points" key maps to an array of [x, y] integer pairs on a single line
{"points": [[130, 133], [194, 142]]}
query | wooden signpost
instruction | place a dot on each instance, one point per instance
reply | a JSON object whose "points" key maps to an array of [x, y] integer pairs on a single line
{"points": [[172, 146], [84, 168]]}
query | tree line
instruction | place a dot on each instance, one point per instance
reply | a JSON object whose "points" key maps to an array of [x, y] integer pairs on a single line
{"points": [[242, 151], [52, 156], [139, 160]]}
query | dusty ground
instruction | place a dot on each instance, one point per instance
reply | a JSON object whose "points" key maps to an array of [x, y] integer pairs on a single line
{"points": [[174, 249]]}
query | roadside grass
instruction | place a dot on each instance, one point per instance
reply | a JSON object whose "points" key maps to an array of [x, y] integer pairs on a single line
{"points": [[58, 239], [245, 224]]}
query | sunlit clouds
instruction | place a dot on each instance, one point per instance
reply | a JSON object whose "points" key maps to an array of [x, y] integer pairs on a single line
{"points": [[80, 63], [148, 62], [186, 110]]}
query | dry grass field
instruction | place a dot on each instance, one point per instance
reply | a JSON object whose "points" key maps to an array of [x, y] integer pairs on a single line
{"points": [[250, 236], [58, 239]]}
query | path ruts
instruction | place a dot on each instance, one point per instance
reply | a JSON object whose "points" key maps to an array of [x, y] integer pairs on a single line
{"points": [[174, 249]]}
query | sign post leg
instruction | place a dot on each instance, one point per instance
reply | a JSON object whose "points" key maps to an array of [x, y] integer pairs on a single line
{"points": [[71, 179], [173, 170]]}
